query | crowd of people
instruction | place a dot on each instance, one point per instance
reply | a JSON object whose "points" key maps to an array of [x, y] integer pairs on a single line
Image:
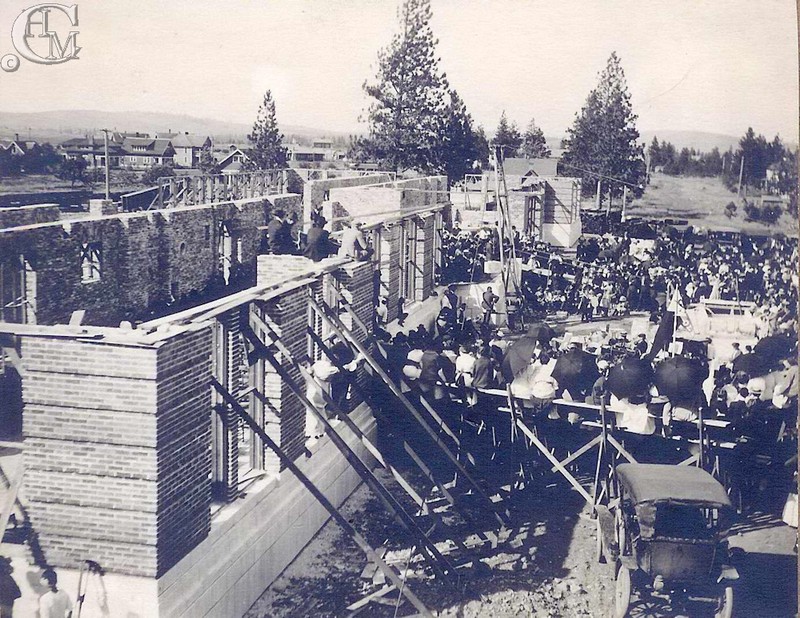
{"points": [[612, 276]]}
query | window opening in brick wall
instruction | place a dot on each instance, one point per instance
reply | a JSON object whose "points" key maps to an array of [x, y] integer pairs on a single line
{"points": [[408, 278], [13, 292], [91, 261], [225, 251]]}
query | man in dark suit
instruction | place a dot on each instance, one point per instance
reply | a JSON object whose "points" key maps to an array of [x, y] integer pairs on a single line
{"points": [[318, 244], [279, 234]]}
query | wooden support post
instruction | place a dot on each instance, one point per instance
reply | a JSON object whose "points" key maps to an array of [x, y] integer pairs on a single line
{"points": [[564, 472], [428, 548], [345, 335], [372, 555]]}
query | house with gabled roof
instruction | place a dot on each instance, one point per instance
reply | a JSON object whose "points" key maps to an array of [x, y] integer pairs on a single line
{"points": [[144, 152], [188, 148]]}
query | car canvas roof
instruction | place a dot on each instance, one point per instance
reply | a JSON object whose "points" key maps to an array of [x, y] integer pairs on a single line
{"points": [[670, 483]]}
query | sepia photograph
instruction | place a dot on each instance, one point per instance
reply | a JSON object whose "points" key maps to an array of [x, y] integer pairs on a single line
{"points": [[399, 308]]}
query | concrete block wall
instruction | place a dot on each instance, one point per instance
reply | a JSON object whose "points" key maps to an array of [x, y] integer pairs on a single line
{"points": [[29, 215], [391, 267], [149, 259], [314, 191], [116, 459]]}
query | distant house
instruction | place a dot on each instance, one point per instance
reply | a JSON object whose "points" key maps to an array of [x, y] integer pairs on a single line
{"points": [[188, 148], [16, 146], [232, 160], [92, 150], [144, 152], [305, 154]]}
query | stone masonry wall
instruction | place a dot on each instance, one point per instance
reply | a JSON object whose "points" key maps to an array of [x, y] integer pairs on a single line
{"points": [[29, 215], [148, 259]]}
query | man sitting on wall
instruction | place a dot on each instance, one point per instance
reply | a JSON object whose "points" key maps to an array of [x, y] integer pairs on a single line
{"points": [[318, 243], [279, 234], [354, 244]]}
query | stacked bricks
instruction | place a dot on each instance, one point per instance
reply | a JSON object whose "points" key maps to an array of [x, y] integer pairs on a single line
{"points": [[117, 453], [288, 316], [390, 267], [276, 268], [356, 281]]}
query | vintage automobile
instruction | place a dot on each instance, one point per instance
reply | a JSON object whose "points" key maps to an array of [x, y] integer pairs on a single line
{"points": [[665, 535]]}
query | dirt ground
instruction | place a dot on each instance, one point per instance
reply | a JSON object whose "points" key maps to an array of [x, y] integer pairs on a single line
{"points": [[702, 201], [544, 566]]}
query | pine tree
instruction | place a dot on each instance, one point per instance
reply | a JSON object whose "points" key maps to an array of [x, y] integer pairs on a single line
{"points": [[507, 136], [267, 152], [458, 149], [409, 95], [534, 145], [654, 152], [604, 139]]}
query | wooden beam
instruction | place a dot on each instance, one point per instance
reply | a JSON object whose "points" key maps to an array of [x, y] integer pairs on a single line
{"points": [[371, 554], [345, 335]]}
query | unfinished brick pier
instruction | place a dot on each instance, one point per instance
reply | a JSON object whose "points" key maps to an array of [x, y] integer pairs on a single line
{"points": [[132, 454]]}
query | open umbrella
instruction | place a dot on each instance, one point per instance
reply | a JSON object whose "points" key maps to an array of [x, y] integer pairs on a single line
{"points": [[679, 378], [629, 378], [518, 355], [576, 371], [774, 347], [540, 332], [752, 364]]}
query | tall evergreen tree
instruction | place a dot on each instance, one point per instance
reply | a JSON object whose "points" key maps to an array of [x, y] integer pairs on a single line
{"points": [[267, 150], [457, 147], [482, 146], [507, 136], [534, 145], [604, 138], [654, 152], [409, 95]]}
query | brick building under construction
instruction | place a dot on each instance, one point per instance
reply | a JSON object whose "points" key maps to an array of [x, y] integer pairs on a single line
{"points": [[130, 341]]}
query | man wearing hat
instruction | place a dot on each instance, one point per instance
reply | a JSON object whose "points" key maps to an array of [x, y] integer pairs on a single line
{"points": [[318, 244], [354, 244]]}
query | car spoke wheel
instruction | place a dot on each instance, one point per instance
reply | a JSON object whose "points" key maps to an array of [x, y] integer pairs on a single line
{"points": [[598, 548], [622, 592], [725, 604]]}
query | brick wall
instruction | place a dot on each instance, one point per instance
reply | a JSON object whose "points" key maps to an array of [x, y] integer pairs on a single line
{"points": [[276, 268], [183, 423], [28, 215], [148, 259], [289, 315], [117, 450]]}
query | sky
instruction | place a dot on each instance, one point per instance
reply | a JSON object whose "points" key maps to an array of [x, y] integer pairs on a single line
{"points": [[699, 65]]}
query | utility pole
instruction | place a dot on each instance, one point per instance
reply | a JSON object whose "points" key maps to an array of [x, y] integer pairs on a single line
{"points": [[624, 200], [108, 165], [741, 172], [599, 195]]}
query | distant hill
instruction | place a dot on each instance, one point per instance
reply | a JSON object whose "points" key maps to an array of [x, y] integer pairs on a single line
{"points": [[63, 124], [699, 140]]}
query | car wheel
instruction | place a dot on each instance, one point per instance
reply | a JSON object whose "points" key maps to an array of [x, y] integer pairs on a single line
{"points": [[622, 592], [725, 604], [598, 547]]}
